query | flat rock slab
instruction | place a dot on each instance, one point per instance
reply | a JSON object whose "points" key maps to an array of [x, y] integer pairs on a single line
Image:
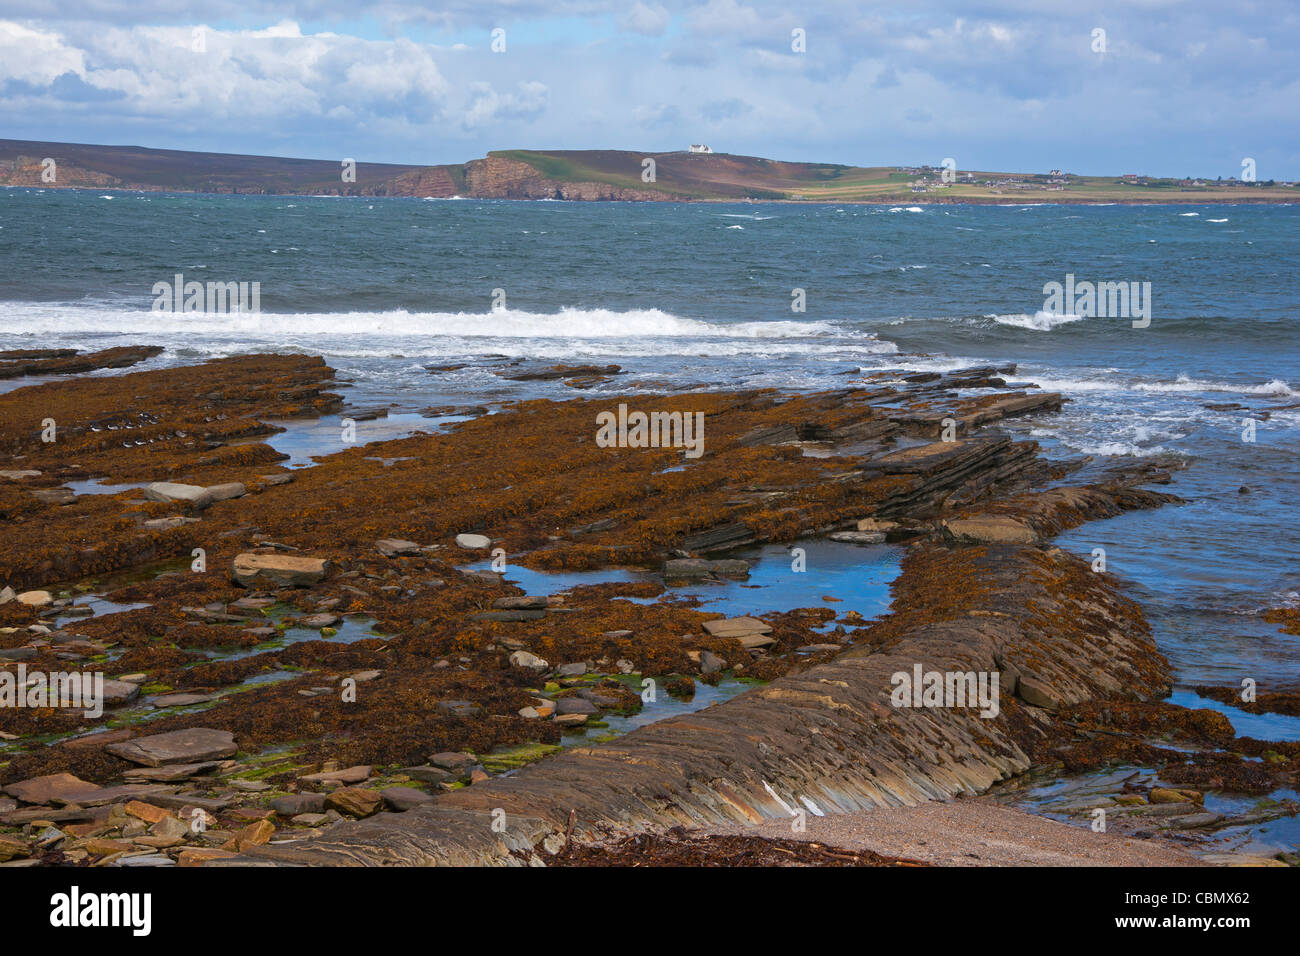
{"points": [[876, 524], [923, 458], [703, 568], [120, 691], [187, 801], [94, 796], [172, 772], [738, 627], [991, 530], [177, 746], [396, 547], [48, 788], [404, 798], [252, 603], [281, 570], [473, 541], [296, 803], [17, 818], [858, 537], [223, 492], [197, 856], [146, 860], [181, 700], [94, 741], [192, 495], [166, 524], [357, 774]]}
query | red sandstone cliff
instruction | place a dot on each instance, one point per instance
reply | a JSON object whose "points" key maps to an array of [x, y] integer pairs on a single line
{"points": [[498, 178]]}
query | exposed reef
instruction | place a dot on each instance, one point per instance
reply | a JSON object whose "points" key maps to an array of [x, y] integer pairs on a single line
{"points": [[341, 624]]}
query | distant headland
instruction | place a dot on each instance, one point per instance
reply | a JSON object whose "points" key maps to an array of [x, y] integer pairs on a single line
{"points": [[693, 174]]}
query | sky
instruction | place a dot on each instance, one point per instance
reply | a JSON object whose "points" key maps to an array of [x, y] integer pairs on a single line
{"points": [[1158, 87]]}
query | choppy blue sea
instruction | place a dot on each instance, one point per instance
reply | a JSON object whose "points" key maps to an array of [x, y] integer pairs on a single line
{"points": [[701, 295]]}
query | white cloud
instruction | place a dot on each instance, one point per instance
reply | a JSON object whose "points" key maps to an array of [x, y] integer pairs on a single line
{"points": [[1004, 87], [258, 75], [488, 106], [35, 56], [648, 19]]}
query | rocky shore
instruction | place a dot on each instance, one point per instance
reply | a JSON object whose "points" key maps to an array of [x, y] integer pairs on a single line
{"points": [[325, 665]]}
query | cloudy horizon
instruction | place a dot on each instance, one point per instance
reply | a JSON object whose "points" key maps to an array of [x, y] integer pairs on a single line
{"points": [[1158, 87]]}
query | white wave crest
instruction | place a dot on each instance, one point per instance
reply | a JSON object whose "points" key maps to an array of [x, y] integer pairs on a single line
{"points": [[1185, 383], [1040, 321], [1114, 449], [568, 323]]}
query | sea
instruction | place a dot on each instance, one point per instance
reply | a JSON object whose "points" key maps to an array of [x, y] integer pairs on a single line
{"points": [[753, 295]]}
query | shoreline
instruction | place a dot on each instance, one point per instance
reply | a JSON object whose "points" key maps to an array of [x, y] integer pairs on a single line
{"points": [[900, 201], [977, 587]]}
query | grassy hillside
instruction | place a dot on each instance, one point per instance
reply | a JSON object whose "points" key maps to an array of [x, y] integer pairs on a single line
{"points": [[694, 175]]}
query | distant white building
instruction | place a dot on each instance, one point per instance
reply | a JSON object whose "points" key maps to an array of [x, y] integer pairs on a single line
{"points": [[700, 148]]}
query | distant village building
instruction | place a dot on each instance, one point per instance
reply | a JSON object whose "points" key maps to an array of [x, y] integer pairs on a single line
{"points": [[700, 148]]}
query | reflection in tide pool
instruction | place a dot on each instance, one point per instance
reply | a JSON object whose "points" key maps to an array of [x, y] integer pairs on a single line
{"points": [[1278, 727], [858, 576], [306, 438]]}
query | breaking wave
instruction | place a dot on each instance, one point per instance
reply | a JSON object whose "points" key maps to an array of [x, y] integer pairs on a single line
{"points": [[1040, 321]]}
